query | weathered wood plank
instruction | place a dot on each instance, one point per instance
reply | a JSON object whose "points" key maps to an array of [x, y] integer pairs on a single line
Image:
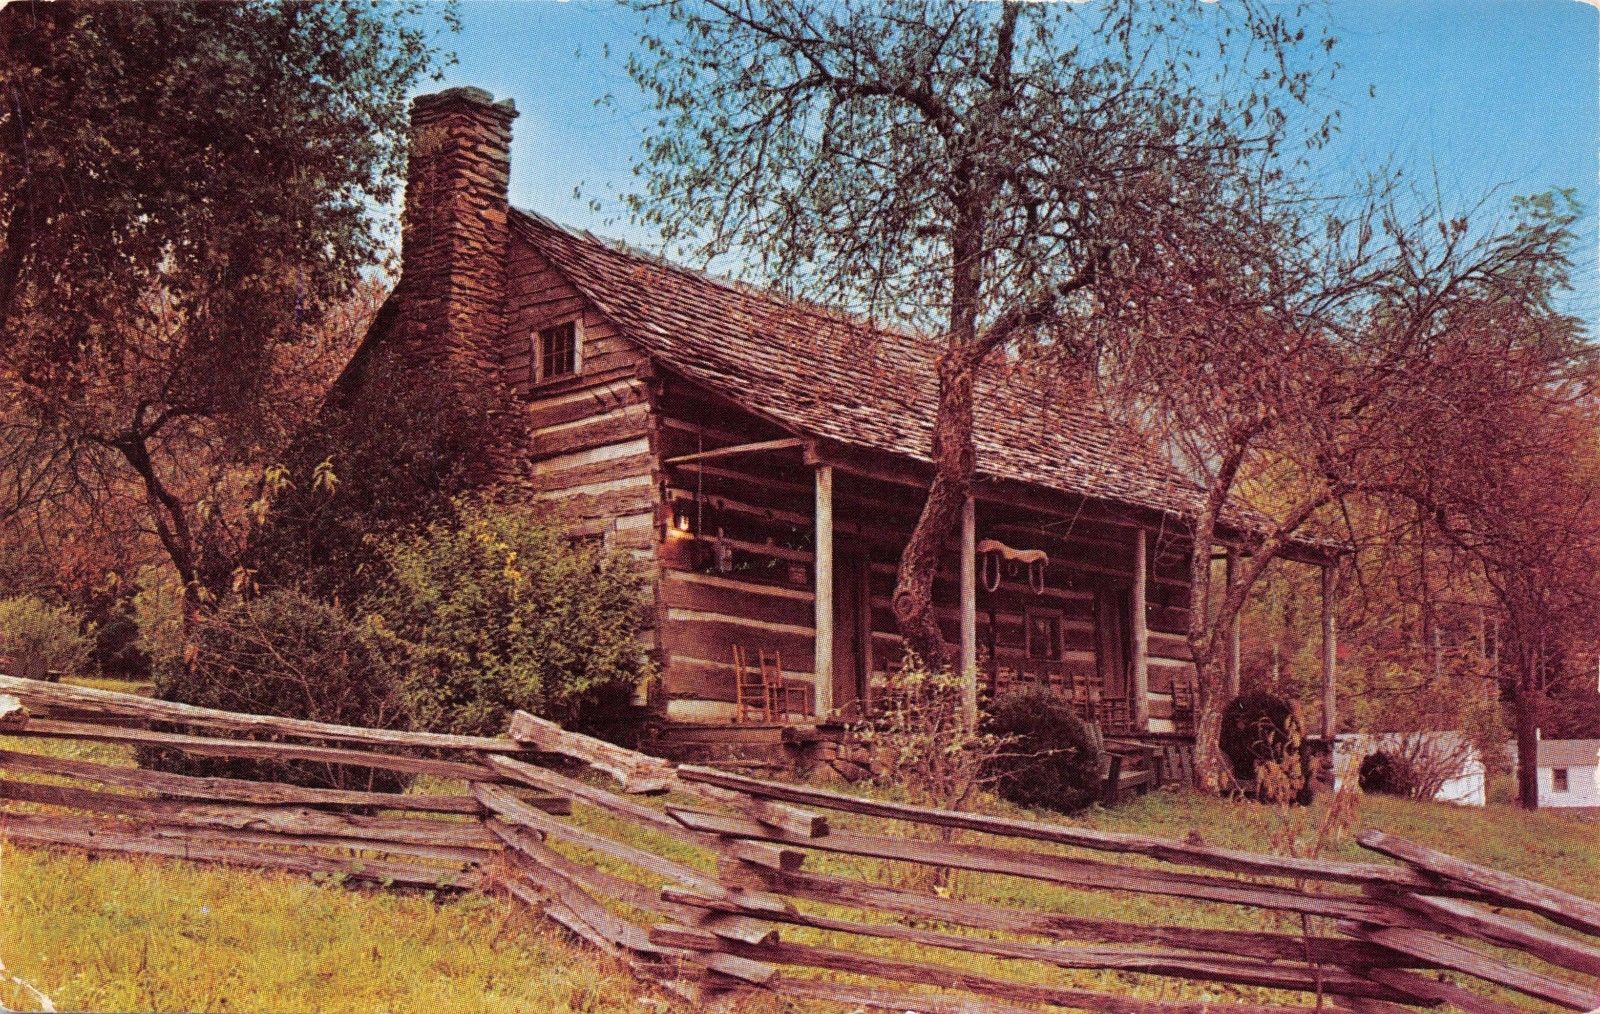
{"points": [[272, 839], [611, 427], [231, 789], [213, 847], [978, 915], [553, 409], [283, 820], [636, 772], [922, 973], [1445, 953], [1438, 991], [1495, 928], [1153, 961], [858, 997], [1167, 850], [257, 749], [1089, 874], [560, 478], [110, 703], [648, 816], [1567, 909], [511, 810]]}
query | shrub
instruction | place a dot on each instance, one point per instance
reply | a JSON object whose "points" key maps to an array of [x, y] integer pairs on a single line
{"points": [[1387, 773], [1257, 730], [919, 748], [282, 654], [493, 612], [1052, 758], [116, 653], [37, 638], [917, 744]]}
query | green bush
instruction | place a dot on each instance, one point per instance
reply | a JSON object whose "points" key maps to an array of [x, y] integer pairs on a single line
{"points": [[1386, 773], [493, 612], [1052, 758], [116, 652], [37, 638], [1258, 729], [282, 654], [1262, 737]]}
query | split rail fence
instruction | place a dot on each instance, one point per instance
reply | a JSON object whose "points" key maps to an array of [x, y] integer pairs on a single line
{"points": [[712, 885]]}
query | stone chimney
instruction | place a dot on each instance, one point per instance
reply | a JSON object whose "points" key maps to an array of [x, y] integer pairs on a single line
{"points": [[454, 233]]}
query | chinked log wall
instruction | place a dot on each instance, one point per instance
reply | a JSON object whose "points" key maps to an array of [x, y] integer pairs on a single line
{"points": [[599, 440], [762, 504], [729, 887]]}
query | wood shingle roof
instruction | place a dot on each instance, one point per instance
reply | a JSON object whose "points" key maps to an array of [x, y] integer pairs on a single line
{"points": [[823, 375]]}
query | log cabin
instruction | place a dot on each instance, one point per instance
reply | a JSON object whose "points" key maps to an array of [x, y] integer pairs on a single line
{"points": [[764, 459]]}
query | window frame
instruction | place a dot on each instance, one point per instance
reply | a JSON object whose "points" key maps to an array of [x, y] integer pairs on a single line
{"points": [[1560, 780], [1056, 651], [541, 375]]}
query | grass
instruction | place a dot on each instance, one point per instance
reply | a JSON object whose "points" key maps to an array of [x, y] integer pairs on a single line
{"points": [[157, 935]]}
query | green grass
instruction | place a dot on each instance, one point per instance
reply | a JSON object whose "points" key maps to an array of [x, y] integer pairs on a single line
{"points": [[160, 935]]}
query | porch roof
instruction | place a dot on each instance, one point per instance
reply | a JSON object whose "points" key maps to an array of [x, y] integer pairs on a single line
{"points": [[822, 374]]}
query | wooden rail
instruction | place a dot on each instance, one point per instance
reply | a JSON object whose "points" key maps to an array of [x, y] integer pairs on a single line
{"points": [[711, 885]]}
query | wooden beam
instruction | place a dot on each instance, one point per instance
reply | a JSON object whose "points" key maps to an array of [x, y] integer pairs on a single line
{"points": [[1141, 633], [1234, 653], [1570, 910], [823, 570], [1330, 651], [727, 452], [969, 613]]}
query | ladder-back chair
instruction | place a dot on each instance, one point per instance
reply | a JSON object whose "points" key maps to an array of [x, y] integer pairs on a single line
{"points": [[1183, 701], [761, 691]]}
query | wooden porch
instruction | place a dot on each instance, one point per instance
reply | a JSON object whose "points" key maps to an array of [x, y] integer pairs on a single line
{"points": [[777, 558]]}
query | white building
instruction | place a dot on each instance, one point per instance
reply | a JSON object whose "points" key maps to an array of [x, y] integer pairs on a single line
{"points": [[1465, 784], [1569, 772]]}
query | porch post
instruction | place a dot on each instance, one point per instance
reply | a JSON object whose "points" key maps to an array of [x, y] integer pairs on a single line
{"points": [[1233, 639], [1141, 635], [969, 613], [1330, 647], [823, 574]]}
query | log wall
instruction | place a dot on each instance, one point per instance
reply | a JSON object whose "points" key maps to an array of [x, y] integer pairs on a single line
{"points": [[761, 506], [592, 460], [599, 443]]}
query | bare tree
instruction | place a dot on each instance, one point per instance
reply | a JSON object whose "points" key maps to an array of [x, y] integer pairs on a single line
{"points": [[977, 172], [1338, 367]]}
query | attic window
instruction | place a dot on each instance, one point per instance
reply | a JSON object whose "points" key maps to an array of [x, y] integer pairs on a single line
{"points": [[557, 350]]}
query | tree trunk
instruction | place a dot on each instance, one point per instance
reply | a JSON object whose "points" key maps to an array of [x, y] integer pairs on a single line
{"points": [[1527, 718], [1211, 767], [954, 458]]}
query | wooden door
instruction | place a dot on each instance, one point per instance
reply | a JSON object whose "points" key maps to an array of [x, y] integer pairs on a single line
{"points": [[851, 634], [1113, 650]]}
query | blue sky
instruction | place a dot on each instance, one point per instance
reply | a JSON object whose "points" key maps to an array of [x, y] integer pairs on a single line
{"points": [[1496, 97]]}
